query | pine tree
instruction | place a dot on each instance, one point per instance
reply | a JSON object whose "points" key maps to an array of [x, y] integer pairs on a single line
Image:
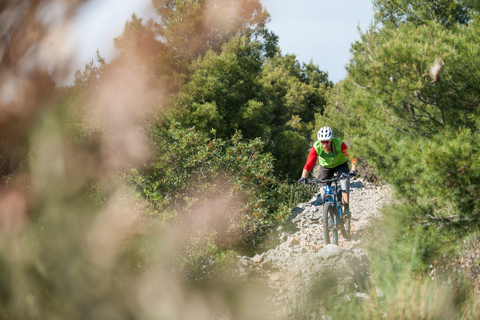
{"points": [[393, 13], [184, 30], [416, 90]]}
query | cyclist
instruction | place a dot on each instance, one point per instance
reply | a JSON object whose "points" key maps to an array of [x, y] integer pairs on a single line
{"points": [[333, 157]]}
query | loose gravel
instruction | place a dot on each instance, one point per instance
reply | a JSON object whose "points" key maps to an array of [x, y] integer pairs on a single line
{"points": [[302, 261]]}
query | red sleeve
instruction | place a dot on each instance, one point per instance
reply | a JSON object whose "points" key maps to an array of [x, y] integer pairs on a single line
{"points": [[311, 160], [344, 150]]}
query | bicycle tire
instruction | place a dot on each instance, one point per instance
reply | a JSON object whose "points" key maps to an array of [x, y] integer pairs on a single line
{"points": [[345, 229], [328, 214]]}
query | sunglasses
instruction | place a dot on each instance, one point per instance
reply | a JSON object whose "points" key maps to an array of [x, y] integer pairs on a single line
{"points": [[326, 142]]}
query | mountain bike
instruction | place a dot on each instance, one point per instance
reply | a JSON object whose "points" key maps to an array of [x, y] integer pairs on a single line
{"points": [[333, 218]]}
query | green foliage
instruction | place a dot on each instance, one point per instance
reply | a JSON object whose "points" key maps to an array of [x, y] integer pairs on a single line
{"points": [[193, 170], [214, 65], [217, 89], [417, 127], [409, 278], [291, 150], [192, 27], [88, 78], [273, 99], [138, 39], [399, 244], [340, 113], [183, 30], [76, 242], [397, 68], [137, 48], [393, 13], [207, 261], [223, 92], [410, 106], [422, 131], [296, 92]]}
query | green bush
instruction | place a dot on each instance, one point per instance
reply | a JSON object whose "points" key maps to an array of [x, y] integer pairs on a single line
{"points": [[232, 180]]}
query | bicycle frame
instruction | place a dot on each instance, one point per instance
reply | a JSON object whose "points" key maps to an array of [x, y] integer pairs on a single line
{"points": [[332, 197]]}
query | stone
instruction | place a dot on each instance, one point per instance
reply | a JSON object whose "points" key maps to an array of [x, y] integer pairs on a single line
{"points": [[362, 296], [330, 251], [302, 264], [292, 241], [296, 211], [274, 277], [257, 259]]}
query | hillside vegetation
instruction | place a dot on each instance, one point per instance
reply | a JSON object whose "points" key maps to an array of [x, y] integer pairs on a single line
{"points": [[129, 193]]}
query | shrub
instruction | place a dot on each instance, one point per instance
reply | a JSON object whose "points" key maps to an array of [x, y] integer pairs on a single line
{"points": [[227, 183]]}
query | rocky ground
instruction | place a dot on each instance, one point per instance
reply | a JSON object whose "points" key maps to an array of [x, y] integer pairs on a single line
{"points": [[302, 262]]}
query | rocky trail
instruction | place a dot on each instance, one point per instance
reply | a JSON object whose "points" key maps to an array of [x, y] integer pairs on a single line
{"points": [[302, 262]]}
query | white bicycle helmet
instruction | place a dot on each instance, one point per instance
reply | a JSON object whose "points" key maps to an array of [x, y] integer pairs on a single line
{"points": [[325, 134]]}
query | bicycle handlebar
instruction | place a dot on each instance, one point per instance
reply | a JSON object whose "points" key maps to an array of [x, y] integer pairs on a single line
{"points": [[336, 178]]}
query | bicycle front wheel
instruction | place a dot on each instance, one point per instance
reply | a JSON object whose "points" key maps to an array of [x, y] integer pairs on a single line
{"points": [[346, 229], [329, 223]]}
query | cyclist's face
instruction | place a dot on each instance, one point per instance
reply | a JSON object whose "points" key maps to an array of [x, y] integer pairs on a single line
{"points": [[327, 145]]}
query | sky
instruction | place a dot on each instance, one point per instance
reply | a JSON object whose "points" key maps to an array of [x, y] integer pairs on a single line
{"points": [[321, 31]]}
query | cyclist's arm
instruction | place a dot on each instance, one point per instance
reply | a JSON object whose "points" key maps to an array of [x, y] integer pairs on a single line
{"points": [[354, 161], [311, 160]]}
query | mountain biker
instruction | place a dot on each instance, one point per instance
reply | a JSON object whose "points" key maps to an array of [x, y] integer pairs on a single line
{"points": [[333, 157]]}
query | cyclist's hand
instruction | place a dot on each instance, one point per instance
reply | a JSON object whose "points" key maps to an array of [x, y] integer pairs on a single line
{"points": [[352, 174], [302, 180]]}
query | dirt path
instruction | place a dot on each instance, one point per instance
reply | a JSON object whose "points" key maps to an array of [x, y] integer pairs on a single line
{"points": [[302, 260]]}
